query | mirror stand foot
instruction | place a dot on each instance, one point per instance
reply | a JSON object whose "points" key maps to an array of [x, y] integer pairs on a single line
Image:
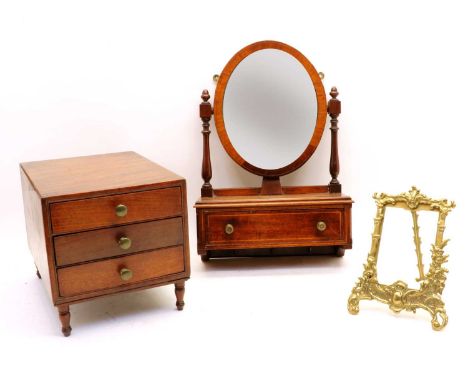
{"points": [[339, 251]]}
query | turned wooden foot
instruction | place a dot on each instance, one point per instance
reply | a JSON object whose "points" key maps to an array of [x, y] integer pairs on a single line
{"points": [[64, 315], [179, 292], [205, 258], [339, 251], [38, 274]]}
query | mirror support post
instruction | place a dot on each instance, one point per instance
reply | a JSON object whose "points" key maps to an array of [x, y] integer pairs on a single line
{"points": [[334, 110], [205, 114], [271, 186]]}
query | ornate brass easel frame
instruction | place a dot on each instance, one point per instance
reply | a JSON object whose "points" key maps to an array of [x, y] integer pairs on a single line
{"points": [[397, 295]]}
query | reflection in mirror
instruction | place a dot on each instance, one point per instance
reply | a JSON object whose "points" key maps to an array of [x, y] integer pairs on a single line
{"points": [[270, 109]]}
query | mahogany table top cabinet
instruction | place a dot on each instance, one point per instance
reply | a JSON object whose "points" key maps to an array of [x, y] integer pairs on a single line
{"points": [[105, 224], [270, 110]]}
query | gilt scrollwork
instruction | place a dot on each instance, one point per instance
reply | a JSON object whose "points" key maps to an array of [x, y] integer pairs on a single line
{"points": [[398, 296]]}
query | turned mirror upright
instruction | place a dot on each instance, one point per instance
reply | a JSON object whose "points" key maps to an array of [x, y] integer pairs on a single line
{"points": [[270, 111]]}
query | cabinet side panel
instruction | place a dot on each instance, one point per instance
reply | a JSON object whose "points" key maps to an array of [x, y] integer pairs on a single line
{"points": [[183, 189], [201, 231], [349, 219], [35, 229]]}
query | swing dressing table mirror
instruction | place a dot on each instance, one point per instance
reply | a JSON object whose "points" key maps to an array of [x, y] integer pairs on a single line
{"points": [[270, 110]]}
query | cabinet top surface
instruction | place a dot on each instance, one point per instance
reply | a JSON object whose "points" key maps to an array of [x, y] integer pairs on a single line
{"points": [[88, 174], [266, 200]]}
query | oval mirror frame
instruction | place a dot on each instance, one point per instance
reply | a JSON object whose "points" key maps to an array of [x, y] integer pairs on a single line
{"points": [[219, 101]]}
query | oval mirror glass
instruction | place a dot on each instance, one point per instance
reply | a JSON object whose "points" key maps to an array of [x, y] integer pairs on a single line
{"points": [[272, 114]]}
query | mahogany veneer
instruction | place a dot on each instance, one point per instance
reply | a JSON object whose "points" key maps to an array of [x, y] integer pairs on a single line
{"points": [[239, 222], [74, 229]]}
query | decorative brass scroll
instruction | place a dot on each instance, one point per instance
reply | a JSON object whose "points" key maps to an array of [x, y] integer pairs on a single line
{"points": [[397, 295]]}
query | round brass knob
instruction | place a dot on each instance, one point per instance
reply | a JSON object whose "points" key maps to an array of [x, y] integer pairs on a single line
{"points": [[126, 274], [229, 229], [321, 226], [125, 242], [121, 210]]}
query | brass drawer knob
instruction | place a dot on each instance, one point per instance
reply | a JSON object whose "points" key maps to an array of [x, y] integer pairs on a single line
{"points": [[121, 210], [321, 226], [125, 242], [229, 229], [126, 274]]}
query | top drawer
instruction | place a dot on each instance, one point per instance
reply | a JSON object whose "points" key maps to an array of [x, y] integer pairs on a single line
{"points": [[98, 212]]}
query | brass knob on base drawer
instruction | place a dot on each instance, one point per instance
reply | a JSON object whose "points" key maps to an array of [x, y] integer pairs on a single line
{"points": [[125, 242], [321, 226], [229, 229], [121, 210], [126, 274]]}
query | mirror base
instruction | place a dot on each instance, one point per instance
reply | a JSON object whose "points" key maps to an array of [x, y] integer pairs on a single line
{"points": [[334, 187], [304, 219]]}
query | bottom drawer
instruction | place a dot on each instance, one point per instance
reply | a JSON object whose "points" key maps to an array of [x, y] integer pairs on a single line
{"points": [[106, 274]]}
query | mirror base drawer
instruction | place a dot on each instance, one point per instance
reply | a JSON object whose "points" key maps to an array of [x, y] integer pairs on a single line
{"points": [[263, 223], [271, 228]]}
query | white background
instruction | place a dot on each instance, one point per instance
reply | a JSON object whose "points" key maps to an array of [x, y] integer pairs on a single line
{"points": [[90, 77]]}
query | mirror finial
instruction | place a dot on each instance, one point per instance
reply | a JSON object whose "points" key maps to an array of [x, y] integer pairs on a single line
{"points": [[334, 92], [205, 95]]}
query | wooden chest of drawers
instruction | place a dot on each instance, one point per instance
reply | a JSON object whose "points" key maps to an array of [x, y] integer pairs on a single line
{"points": [[292, 223], [105, 224]]}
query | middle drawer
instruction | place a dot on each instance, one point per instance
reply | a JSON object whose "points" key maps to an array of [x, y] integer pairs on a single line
{"points": [[109, 242]]}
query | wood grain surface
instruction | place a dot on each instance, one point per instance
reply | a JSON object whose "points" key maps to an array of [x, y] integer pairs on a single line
{"points": [[105, 274], [119, 172], [103, 243], [241, 199], [269, 221], [36, 231], [267, 228], [100, 212]]}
